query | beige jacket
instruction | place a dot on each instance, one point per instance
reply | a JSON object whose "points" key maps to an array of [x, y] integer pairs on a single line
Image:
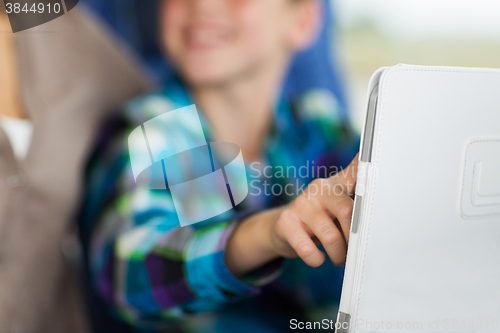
{"points": [[71, 73]]}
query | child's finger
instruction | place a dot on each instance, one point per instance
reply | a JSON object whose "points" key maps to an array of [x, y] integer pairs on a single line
{"points": [[330, 237], [303, 245], [340, 206], [347, 177]]}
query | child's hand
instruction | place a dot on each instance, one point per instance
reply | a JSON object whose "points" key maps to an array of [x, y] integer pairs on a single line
{"points": [[310, 217], [292, 230]]}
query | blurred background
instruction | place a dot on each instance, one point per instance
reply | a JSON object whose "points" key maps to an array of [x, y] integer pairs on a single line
{"points": [[376, 33]]}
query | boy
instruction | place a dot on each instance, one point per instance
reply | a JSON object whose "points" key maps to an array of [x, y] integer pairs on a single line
{"points": [[231, 57]]}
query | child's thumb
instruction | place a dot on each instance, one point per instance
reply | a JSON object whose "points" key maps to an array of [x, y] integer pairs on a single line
{"points": [[347, 177]]}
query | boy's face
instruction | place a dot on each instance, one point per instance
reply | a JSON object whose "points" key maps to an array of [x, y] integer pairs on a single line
{"points": [[213, 41]]}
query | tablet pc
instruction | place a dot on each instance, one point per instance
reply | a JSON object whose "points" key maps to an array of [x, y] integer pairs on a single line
{"points": [[424, 249]]}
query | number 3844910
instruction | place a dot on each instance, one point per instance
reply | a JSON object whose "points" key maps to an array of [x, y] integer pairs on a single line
{"points": [[35, 8]]}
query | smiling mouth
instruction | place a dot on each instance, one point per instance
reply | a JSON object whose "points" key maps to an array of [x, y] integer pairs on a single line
{"points": [[206, 36]]}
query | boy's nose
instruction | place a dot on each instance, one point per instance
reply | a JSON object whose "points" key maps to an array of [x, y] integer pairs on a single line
{"points": [[207, 8]]}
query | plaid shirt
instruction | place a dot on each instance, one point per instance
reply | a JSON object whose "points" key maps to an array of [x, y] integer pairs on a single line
{"points": [[158, 276]]}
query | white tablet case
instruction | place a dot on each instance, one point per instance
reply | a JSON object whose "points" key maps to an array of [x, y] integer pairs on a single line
{"points": [[424, 251]]}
